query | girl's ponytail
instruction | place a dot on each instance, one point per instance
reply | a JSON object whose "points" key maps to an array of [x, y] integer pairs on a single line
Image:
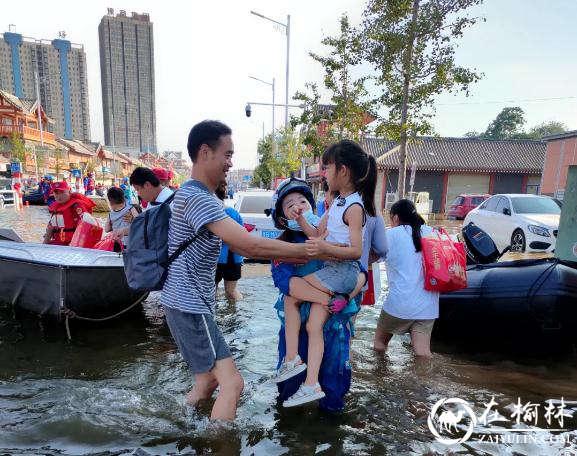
{"points": [[407, 213], [367, 185]]}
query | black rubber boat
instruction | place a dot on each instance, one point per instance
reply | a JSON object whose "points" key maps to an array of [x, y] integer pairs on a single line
{"points": [[519, 305], [51, 280]]}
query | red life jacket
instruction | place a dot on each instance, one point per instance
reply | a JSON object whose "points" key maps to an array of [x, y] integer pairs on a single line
{"points": [[65, 217]]}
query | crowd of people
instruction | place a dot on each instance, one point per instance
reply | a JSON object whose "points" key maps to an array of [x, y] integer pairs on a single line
{"points": [[343, 242], [66, 204], [320, 263]]}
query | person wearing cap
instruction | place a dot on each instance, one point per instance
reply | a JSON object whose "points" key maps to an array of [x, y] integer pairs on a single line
{"points": [[127, 189], [65, 214], [89, 184], [163, 176], [48, 190]]}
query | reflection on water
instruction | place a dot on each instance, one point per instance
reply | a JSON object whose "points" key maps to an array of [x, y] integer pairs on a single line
{"points": [[120, 387]]}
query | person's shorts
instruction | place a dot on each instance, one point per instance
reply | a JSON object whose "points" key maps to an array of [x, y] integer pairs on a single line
{"points": [[198, 339], [229, 271], [398, 326], [339, 276]]}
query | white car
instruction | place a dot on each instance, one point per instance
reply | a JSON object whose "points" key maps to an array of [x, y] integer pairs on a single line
{"points": [[252, 205], [524, 222]]}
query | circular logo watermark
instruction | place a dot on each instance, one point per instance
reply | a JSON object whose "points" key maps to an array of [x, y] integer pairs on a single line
{"points": [[446, 422]]}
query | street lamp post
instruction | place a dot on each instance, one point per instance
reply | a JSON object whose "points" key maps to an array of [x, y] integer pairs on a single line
{"points": [[287, 27], [272, 84]]}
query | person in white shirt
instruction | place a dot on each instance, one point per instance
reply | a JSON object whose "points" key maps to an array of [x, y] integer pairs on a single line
{"points": [[408, 307], [148, 186]]}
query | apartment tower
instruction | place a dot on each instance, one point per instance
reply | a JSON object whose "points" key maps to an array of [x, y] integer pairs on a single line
{"points": [[127, 77]]}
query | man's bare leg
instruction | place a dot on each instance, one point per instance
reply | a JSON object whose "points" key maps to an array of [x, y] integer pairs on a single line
{"points": [[203, 388], [231, 385]]}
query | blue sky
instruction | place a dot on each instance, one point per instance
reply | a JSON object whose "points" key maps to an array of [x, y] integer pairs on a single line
{"points": [[205, 52]]}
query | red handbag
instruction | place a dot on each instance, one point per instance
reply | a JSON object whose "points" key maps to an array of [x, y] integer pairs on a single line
{"points": [[87, 233], [108, 245], [369, 294], [444, 262]]}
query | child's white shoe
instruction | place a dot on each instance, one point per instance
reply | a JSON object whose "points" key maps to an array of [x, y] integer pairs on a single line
{"points": [[289, 369], [304, 395]]}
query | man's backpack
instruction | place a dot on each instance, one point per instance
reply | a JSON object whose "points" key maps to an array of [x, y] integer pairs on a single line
{"points": [[146, 259]]}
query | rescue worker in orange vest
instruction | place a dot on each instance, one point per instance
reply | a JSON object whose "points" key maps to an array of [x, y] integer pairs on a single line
{"points": [[66, 212]]}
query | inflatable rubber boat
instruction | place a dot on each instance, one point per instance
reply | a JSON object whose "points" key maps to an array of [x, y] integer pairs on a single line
{"points": [[52, 280], [522, 305]]}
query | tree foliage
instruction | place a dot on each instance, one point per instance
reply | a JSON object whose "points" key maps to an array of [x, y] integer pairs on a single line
{"points": [[18, 148], [347, 114], [509, 124], [547, 129], [289, 150], [411, 45]]}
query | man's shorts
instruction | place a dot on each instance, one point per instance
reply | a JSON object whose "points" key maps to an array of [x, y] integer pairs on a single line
{"points": [[229, 271], [339, 276], [198, 338], [398, 326]]}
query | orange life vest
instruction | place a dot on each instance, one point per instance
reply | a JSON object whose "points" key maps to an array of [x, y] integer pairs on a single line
{"points": [[65, 217]]}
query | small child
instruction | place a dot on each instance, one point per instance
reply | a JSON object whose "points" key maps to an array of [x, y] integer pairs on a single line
{"points": [[120, 216], [352, 173]]}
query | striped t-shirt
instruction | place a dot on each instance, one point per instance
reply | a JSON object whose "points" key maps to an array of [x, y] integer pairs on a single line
{"points": [[189, 286]]}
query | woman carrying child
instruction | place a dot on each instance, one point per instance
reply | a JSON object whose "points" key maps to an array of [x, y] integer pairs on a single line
{"points": [[351, 172]]}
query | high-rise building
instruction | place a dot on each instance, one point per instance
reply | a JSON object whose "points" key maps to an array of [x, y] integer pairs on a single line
{"points": [[61, 69], [127, 76]]}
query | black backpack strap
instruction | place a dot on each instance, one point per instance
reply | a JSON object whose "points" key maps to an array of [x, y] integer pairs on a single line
{"points": [[181, 248], [169, 199]]}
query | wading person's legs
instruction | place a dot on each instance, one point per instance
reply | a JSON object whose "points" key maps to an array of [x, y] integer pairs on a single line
{"points": [[230, 290], [231, 385], [421, 337]]}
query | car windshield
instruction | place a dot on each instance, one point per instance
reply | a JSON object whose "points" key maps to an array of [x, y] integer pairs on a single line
{"points": [[255, 204], [458, 200], [538, 205]]}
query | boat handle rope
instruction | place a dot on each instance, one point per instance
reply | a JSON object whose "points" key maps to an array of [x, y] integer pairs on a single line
{"points": [[69, 314]]}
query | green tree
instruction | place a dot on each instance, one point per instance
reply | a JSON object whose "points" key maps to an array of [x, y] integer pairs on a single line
{"points": [[547, 129], [346, 116], [18, 147], [411, 45], [287, 158], [262, 175], [507, 125]]}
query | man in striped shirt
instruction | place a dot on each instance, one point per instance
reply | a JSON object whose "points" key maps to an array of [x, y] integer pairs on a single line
{"points": [[188, 295]]}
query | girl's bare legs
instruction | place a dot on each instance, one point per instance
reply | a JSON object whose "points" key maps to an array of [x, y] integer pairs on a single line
{"points": [[292, 326], [301, 289], [317, 319]]}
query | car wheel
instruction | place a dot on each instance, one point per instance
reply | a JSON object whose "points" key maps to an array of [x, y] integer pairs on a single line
{"points": [[518, 241]]}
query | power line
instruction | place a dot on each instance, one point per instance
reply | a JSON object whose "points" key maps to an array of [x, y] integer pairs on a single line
{"points": [[508, 101]]}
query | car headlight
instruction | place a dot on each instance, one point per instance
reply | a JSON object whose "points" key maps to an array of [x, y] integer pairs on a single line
{"points": [[539, 230]]}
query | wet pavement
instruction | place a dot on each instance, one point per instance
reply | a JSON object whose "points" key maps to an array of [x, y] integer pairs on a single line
{"points": [[113, 389]]}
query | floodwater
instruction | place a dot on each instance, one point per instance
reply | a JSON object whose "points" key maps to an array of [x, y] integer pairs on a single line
{"points": [[117, 388]]}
